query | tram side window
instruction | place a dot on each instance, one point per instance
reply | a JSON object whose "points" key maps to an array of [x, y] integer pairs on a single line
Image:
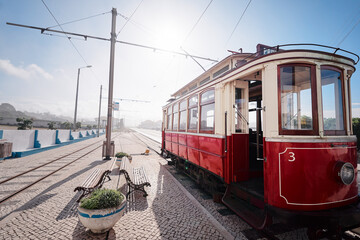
{"points": [[240, 119], [332, 101], [175, 116], [297, 88], [169, 118], [207, 109], [193, 113], [183, 106]]}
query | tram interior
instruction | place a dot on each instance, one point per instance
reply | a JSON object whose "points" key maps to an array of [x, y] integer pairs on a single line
{"points": [[255, 183]]}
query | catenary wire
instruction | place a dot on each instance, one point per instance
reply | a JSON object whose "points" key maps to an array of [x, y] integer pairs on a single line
{"points": [[352, 29], [238, 22], [77, 50], [341, 30], [69, 38], [129, 18], [81, 19], [192, 29]]}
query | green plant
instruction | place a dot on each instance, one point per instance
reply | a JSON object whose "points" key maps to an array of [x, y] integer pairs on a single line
{"points": [[51, 125], [24, 123], [121, 154], [102, 198]]}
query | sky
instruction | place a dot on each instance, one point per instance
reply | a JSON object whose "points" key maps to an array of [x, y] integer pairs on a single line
{"points": [[38, 72]]}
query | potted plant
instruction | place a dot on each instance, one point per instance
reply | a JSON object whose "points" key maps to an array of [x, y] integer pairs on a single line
{"points": [[102, 209], [119, 157]]}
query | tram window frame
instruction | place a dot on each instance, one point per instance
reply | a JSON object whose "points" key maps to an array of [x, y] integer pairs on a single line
{"points": [[314, 106], [344, 110], [175, 116], [191, 107], [169, 118], [182, 111], [349, 122], [205, 104]]}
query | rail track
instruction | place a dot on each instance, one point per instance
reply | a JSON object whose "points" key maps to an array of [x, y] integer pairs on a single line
{"points": [[48, 172]]}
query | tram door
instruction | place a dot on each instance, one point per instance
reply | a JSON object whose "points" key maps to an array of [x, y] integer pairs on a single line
{"points": [[255, 130]]}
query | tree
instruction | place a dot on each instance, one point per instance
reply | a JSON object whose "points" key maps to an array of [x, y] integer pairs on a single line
{"points": [[66, 125], [24, 123], [51, 125], [78, 125]]}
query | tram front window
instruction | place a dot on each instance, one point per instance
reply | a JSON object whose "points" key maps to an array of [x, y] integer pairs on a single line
{"points": [[296, 98], [332, 101]]}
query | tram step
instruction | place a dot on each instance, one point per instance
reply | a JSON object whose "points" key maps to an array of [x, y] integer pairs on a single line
{"points": [[249, 208]]}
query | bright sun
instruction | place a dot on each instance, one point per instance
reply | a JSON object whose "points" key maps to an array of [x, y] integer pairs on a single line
{"points": [[168, 37]]}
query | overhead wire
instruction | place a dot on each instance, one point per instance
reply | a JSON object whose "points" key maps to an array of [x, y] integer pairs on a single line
{"points": [[238, 22], [69, 38], [341, 30], [192, 29], [77, 50], [352, 29], [129, 18], [81, 19]]}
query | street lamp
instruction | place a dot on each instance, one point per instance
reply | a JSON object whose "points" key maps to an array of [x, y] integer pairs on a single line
{"points": [[77, 92]]}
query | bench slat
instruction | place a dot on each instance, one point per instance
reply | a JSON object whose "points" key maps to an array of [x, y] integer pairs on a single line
{"points": [[135, 177], [95, 180]]}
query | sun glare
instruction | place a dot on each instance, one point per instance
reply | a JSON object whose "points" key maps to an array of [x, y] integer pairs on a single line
{"points": [[169, 38]]}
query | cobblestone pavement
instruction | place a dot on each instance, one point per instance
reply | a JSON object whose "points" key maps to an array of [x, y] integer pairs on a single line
{"points": [[228, 219], [48, 210]]}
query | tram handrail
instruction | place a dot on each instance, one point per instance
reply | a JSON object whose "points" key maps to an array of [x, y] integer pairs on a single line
{"points": [[277, 49]]}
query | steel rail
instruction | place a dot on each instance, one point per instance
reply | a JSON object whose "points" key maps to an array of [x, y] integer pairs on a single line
{"points": [[32, 169], [146, 143], [42, 178]]}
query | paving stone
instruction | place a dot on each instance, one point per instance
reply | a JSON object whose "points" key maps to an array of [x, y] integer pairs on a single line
{"points": [[49, 211]]}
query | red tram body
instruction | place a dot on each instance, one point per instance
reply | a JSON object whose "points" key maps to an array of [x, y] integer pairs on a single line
{"points": [[274, 129]]}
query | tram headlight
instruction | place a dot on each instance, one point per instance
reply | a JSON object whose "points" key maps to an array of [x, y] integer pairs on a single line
{"points": [[345, 172]]}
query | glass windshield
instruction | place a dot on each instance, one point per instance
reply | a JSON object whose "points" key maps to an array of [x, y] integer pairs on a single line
{"points": [[296, 99], [332, 99]]}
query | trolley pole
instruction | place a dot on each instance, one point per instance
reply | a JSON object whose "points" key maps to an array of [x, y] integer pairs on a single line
{"points": [[98, 132], [111, 83]]}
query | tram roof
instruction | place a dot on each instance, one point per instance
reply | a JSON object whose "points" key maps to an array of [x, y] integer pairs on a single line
{"points": [[244, 58]]}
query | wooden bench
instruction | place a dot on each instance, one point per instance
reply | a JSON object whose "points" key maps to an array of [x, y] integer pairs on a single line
{"points": [[136, 178], [95, 180]]}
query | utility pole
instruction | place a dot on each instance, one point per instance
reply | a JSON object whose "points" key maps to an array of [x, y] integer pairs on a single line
{"points": [[77, 93], [109, 149], [98, 133]]}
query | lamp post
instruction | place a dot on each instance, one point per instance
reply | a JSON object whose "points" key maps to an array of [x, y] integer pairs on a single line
{"points": [[77, 93]]}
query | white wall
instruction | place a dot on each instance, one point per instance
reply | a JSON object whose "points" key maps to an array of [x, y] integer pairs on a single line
{"points": [[46, 137], [75, 135], [21, 139], [64, 135]]}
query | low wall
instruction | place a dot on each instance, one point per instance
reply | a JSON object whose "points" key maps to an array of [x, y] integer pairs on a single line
{"points": [[27, 142], [21, 139], [46, 137]]}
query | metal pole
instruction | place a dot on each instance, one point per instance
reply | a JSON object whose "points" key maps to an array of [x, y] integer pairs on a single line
{"points": [[111, 83], [98, 133], [76, 99]]}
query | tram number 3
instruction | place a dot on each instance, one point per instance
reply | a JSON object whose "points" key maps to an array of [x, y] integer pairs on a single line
{"points": [[291, 157]]}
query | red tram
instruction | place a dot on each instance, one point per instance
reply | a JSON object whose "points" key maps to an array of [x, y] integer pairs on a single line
{"points": [[273, 131]]}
